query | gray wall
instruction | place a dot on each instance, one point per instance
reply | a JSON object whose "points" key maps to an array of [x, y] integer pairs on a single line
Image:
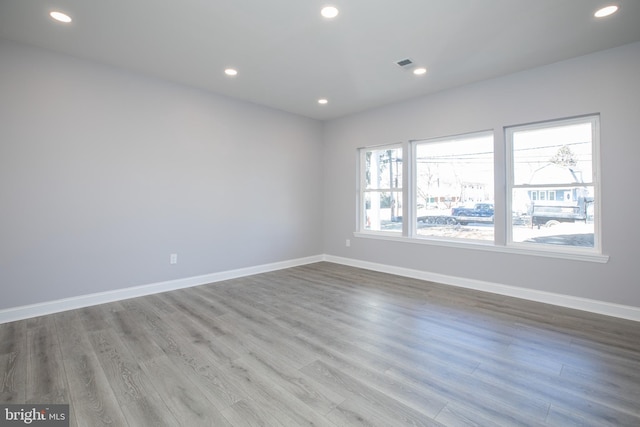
{"points": [[607, 82], [104, 173]]}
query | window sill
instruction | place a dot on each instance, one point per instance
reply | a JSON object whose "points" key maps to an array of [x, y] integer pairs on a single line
{"points": [[545, 251]]}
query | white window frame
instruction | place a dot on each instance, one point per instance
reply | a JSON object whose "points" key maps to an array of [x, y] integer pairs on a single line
{"points": [[594, 119], [503, 178], [362, 189], [413, 187]]}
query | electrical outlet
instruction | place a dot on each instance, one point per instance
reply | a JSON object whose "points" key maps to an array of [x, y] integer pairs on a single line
{"points": [[173, 259], [347, 243]]}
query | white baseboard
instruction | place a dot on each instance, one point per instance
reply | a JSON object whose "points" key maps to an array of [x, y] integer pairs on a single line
{"points": [[50, 307], [584, 304]]}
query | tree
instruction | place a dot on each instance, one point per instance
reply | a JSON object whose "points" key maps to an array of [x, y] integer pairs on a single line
{"points": [[564, 157], [425, 181]]}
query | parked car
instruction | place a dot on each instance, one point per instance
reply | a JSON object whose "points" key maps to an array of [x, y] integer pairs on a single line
{"points": [[480, 212]]}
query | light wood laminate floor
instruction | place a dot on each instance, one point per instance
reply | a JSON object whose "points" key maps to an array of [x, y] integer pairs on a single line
{"points": [[326, 345]]}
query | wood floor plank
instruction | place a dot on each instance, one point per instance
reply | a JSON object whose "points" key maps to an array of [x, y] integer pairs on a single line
{"points": [[583, 399], [256, 337], [135, 337], [94, 318], [256, 381], [138, 399], [13, 362], [13, 337], [259, 386], [457, 414], [13, 377], [46, 380], [196, 312], [483, 397], [188, 360], [313, 394], [206, 339], [617, 383], [420, 399], [560, 417], [188, 403], [364, 405], [91, 395], [251, 414]]}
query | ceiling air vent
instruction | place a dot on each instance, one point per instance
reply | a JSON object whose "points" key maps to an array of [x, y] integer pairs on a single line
{"points": [[405, 63]]}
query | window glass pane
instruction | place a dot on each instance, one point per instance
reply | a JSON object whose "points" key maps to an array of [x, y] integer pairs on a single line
{"points": [[454, 187], [383, 211], [383, 168], [566, 221], [554, 155], [552, 194], [382, 195]]}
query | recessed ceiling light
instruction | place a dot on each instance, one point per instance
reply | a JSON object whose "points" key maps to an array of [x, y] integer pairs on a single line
{"points": [[323, 101], [420, 71], [606, 11], [329, 12], [231, 72], [60, 17]]}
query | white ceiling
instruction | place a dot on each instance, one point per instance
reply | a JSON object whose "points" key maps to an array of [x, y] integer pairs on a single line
{"points": [[288, 56]]}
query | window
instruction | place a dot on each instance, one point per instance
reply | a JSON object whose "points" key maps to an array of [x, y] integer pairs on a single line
{"points": [[381, 195], [552, 184], [454, 187], [441, 191]]}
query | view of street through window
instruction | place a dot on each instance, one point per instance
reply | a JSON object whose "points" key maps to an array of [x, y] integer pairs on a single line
{"points": [[551, 195]]}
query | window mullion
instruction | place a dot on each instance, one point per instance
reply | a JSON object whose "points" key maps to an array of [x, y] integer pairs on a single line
{"points": [[409, 226]]}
